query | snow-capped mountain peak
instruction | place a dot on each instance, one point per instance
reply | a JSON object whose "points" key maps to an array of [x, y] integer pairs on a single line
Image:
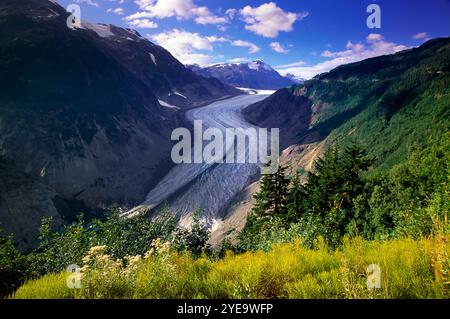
{"points": [[259, 65], [255, 74]]}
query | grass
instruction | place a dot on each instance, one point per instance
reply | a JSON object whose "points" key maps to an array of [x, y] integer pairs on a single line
{"points": [[409, 269]]}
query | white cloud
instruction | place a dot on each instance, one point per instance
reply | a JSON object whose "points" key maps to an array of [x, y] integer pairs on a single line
{"points": [[238, 60], [137, 15], [231, 13], [142, 24], [252, 48], [376, 45], [118, 11], [374, 37], [277, 47], [420, 36], [180, 9], [88, 2], [204, 16], [268, 19], [291, 65], [351, 48], [184, 45], [190, 47]]}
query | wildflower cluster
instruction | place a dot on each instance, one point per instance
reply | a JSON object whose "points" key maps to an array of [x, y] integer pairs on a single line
{"points": [[157, 248]]}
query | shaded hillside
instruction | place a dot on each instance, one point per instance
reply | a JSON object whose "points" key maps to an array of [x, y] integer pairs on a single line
{"points": [[168, 78], [80, 116]]}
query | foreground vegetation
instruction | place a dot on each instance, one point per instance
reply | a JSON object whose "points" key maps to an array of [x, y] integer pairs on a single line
{"points": [[327, 238], [408, 269]]}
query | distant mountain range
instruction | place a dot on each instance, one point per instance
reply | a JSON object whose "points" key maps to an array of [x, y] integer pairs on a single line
{"points": [[85, 114], [255, 75]]}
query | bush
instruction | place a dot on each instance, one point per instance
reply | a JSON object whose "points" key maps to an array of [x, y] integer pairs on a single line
{"points": [[13, 266]]}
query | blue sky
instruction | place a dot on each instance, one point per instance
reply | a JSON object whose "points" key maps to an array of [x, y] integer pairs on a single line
{"points": [[303, 37]]}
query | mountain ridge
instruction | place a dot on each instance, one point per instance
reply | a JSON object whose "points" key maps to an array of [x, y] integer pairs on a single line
{"points": [[88, 127], [255, 75]]}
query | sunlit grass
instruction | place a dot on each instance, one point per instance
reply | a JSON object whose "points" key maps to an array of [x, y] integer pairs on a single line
{"points": [[409, 269]]}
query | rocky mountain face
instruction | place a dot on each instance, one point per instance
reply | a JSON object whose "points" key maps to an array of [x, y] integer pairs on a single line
{"points": [[389, 104], [81, 126], [271, 112], [255, 75], [154, 66], [294, 78]]}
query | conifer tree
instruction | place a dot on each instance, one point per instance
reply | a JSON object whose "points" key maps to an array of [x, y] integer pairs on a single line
{"points": [[296, 199], [272, 199]]}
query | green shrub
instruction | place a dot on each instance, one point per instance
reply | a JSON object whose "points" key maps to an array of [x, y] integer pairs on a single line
{"points": [[13, 266]]}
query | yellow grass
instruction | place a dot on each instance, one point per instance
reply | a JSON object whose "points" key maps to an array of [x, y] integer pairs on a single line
{"points": [[408, 269]]}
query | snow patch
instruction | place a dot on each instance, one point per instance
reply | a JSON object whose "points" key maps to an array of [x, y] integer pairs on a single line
{"points": [[153, 58], [179, 94], [253, 66], [134, 32], [165, 104], [259, 65], [103, 30]]}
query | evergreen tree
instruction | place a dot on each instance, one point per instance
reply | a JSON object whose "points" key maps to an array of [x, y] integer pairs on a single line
{"points": [[296, 199], [332, 189], [271, 202], [272, 199]]}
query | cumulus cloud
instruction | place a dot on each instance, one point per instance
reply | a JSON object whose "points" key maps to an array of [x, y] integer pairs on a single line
{"points": [[374, 46], [291, 65], [351, 49], [277, 47], [180, 9], [142, 24], [118, 1], [88, 2], [268, 19], [194, 48], [238, 60], [231, 13], [374, 37], [185, 45], [118, 11], [420, 36], [252, 48]]}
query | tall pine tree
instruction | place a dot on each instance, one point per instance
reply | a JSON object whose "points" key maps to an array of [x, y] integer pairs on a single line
{"points": [[272, 199]]}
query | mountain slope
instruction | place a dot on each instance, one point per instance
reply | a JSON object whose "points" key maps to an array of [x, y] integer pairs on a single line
{"points": [[255, 75], [80, 116], [154, 66], [388, 103]]}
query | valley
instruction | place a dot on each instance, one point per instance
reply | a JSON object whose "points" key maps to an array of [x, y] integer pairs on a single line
{"points": [[208, 187]]}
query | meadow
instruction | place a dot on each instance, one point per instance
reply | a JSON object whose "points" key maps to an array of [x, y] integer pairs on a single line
{"points": [[408, 269]]}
